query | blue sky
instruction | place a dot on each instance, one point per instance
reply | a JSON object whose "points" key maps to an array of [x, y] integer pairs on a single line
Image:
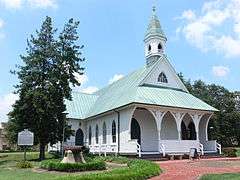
{"points": [[203, 38]]}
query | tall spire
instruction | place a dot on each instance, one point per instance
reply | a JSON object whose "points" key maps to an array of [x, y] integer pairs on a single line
{"points": [[154, 39], [154, 27]]}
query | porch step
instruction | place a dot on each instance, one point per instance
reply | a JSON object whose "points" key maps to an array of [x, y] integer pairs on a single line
{"points": [[211, 154], [154, 157]]}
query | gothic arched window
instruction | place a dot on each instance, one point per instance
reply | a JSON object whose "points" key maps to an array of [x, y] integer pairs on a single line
{"points": [[104, 133], [159, 47], [162, 78], [113, 131], [90, 135], [149, 48], [96, 134]]}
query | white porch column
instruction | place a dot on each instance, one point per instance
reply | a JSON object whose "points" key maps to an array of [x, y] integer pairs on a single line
{"points": [[206, 128], [196, 119], [158, 115], [178, 116]]}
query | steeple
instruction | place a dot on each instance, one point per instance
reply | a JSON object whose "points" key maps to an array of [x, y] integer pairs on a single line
{"points": [[154, 40]]}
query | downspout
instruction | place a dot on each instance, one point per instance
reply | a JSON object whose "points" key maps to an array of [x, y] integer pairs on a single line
{"points": [[118, 124]]}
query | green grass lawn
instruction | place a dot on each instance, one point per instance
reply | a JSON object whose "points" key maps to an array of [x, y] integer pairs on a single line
{"points": [[24, 174], [137, 169], [238, 152], [8, 170], [221, 177], [228, 176]]}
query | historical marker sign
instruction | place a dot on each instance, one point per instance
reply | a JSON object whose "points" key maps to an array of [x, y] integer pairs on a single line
{"points": [[25, 138]]}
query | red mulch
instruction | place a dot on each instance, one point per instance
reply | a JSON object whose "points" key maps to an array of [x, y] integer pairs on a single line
{"points": [[190, 170]]}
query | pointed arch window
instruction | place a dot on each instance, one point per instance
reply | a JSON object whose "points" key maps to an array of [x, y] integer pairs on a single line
{"points": [[159, 47], [96, 134], [104, 133], [162, 78], [90, 135], [149, 48], [114, 132]]}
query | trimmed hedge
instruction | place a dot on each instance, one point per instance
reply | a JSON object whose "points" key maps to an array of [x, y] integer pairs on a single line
{"points": [[72, 167], [136, 170], [230, 152], [24, 164]]}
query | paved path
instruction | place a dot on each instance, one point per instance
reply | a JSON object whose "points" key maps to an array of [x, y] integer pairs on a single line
{"points": [[191, 170]]}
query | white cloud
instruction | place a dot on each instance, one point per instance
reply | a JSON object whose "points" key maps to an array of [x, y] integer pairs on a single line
{"points": [[43, 3], [116, 77], [1, 23], [81, 78], [188, 14], [17, 4], [6, 102], [12, 4], [228, 46], [215, 28], [89, 89], [2, 35], [220, 71], [195, 33]]}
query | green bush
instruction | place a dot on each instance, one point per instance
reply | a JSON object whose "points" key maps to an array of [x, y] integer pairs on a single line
{"points": [[24, 164], [72, 167], [230, 152], [116, 159], [136, 170]]}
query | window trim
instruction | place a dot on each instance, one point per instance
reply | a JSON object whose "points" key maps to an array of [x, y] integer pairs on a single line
{"points": [[96, 134], [162, 78], [104, 133]]}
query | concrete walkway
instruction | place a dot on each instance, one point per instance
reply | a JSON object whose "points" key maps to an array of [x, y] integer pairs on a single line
{"points": [[191, 170]]}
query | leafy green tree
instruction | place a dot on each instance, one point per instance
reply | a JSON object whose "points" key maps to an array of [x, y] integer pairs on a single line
{"points": [[224, 124], [46, 77]]}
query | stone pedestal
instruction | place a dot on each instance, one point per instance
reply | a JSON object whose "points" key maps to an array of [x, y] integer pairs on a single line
{"points": [[73, 154]]}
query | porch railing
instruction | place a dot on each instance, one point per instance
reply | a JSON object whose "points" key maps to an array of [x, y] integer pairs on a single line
{"points": [[162, 149], [201, 148], [180, 146], [210, 145], [103, 149], [219, 147], [134, 147]]}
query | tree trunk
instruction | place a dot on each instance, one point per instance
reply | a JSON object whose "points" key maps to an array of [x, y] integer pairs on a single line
{"points": [[42, 152]]}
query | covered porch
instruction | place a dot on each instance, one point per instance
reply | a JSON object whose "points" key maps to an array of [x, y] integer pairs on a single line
{"points": [[170, 131]]}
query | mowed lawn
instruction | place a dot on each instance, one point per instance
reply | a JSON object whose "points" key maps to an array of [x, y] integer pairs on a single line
{"points": [[221, 177], [228, 176], [8, 170]]}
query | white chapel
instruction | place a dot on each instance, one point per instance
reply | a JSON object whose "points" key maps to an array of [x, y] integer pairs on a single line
{"points": [[149, 111]]}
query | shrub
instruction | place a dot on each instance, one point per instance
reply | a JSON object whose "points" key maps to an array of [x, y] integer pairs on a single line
{"points": [[116, 159], [136, 170], [230, 152], [72, 167], [24, 164]]}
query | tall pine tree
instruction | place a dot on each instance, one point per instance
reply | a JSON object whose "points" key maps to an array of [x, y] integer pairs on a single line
{"points": [[46, 77]]}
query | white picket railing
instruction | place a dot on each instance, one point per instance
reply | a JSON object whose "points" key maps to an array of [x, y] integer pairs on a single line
{"points": [[179, 146], [103, 149], [162, 149], [201, 148], [219, 147], [139, 149]]}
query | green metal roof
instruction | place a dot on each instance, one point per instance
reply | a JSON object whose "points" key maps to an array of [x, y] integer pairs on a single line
{"points": [[128, 90], [154, 27], [80, 105]]}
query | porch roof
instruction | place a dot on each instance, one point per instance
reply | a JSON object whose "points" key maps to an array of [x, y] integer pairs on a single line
{"points": [[128, 90]]}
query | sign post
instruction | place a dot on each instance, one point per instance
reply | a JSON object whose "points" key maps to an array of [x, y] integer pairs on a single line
{"points": [[25, 138]]}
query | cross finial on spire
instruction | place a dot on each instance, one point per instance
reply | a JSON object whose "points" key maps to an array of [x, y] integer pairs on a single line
{"points": [[154, 9], [154, 6]]}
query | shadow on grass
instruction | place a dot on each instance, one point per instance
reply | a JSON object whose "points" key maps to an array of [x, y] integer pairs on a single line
{"points": [[4, 162]]}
